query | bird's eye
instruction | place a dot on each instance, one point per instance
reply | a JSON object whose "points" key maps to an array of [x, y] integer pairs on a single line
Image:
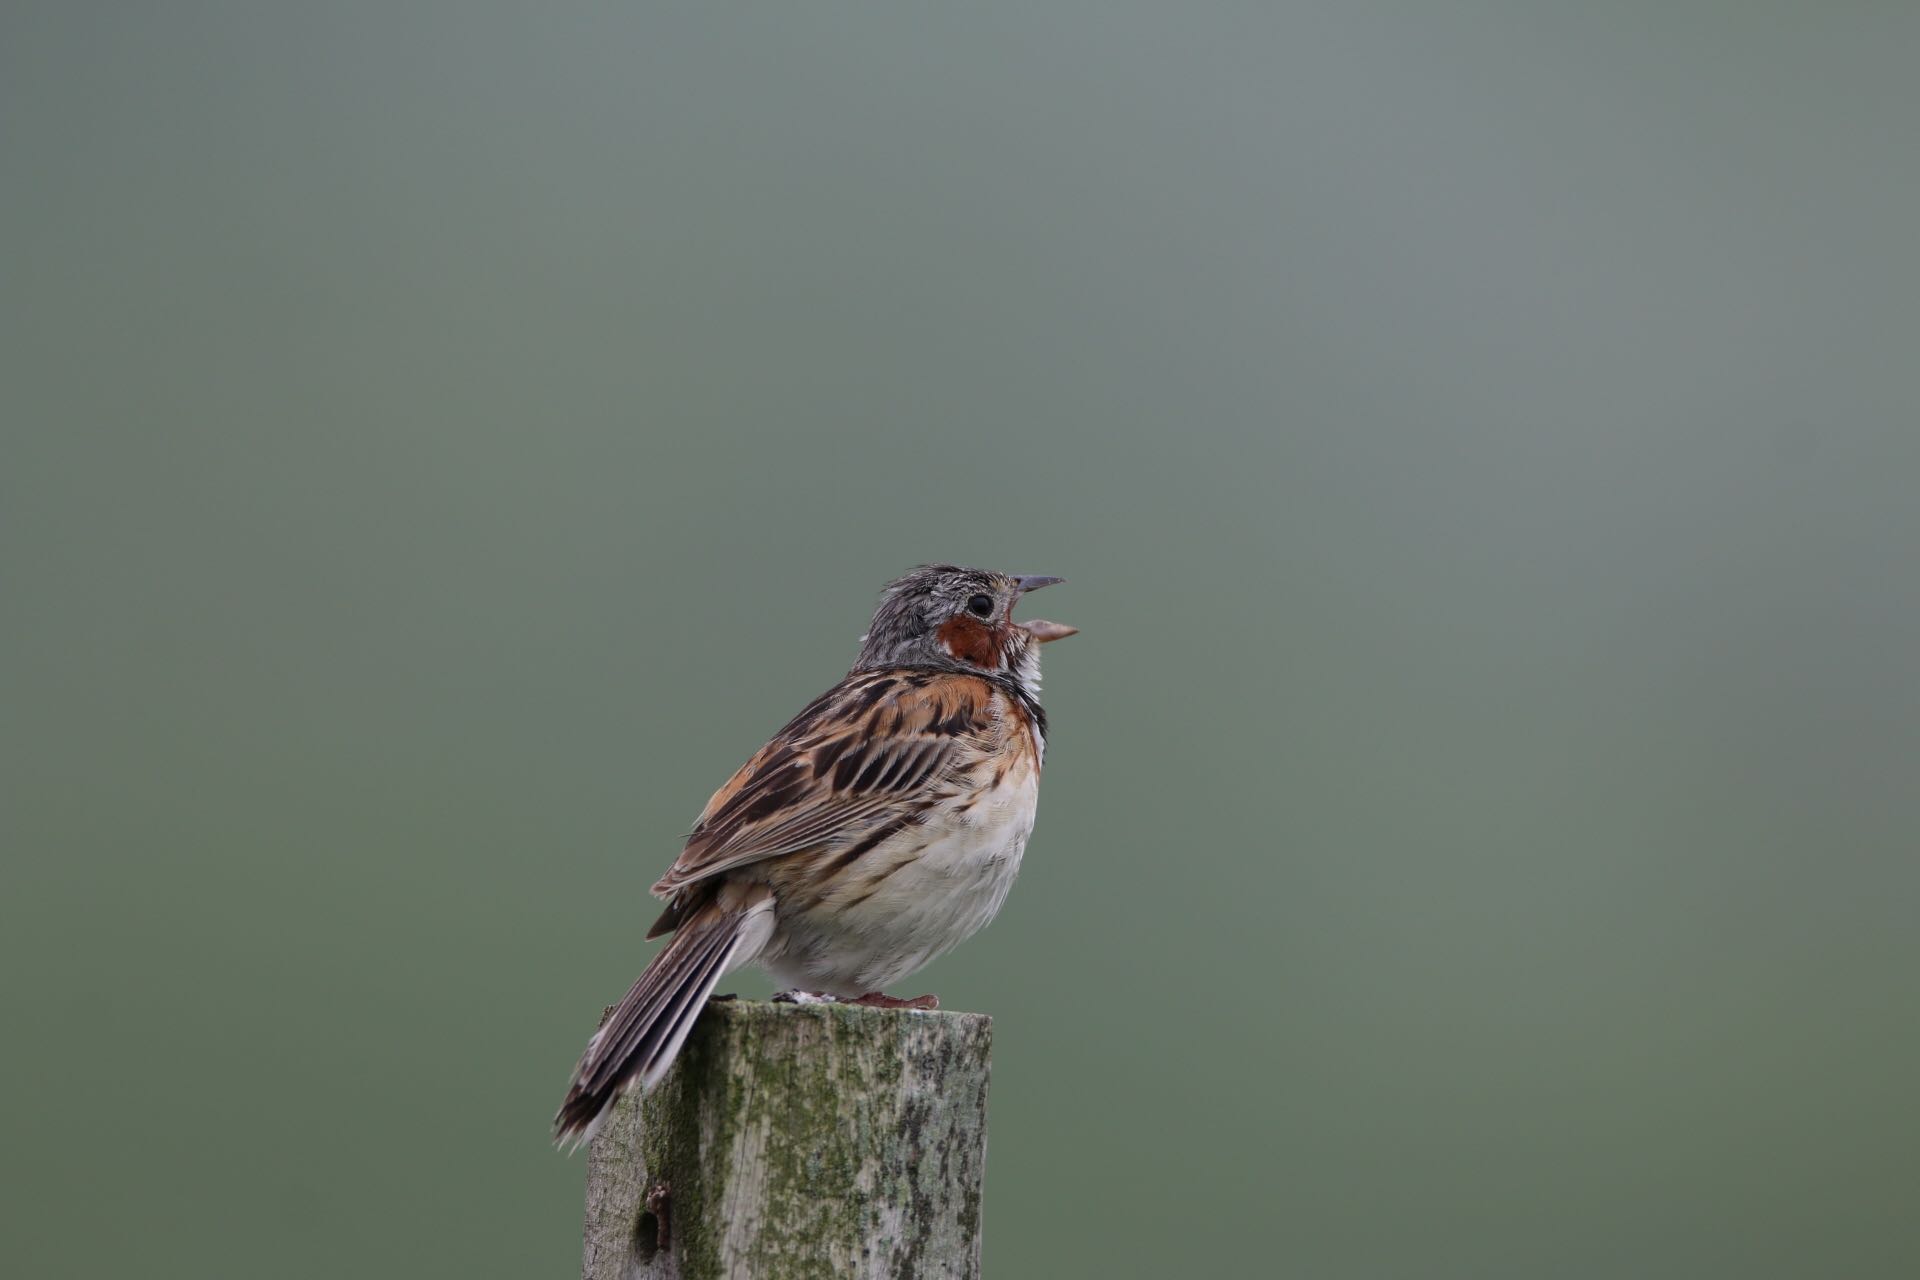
{"points": [[980, 606]]}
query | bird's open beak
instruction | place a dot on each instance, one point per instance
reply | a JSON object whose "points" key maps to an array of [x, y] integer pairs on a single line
{"points": [[1044, 631], [1041, 629]]}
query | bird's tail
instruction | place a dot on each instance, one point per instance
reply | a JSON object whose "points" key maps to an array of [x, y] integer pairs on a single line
{"points": [[638, 1040]]}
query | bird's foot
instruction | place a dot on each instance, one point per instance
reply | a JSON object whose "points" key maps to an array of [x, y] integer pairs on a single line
{"points": [[796, 996], [881, 1000]]}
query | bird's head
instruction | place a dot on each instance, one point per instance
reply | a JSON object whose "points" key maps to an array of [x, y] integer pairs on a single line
{"points": [[944, 615]]}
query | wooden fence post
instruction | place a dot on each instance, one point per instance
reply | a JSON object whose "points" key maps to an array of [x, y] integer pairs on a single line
{"points": [[799, 1141]]}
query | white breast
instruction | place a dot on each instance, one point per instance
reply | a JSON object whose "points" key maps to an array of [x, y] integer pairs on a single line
{"points": [[949, 877]]}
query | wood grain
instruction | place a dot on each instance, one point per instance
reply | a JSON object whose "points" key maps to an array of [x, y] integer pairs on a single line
{"points": [[799, 1141]]}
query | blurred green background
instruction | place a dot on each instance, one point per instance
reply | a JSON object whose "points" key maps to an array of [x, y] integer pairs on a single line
{"points": [[442, 440]]}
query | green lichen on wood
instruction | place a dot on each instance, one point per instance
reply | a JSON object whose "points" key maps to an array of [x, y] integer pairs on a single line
{"points": [[801, 1141]]}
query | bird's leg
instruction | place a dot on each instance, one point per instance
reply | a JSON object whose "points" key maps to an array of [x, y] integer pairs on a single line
{"points": [[881, 1000], [796, 996]]}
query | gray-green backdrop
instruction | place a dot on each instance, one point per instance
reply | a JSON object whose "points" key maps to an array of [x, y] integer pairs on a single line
{"points": [[442, 440]]}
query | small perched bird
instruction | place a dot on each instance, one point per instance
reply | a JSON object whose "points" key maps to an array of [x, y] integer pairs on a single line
{"points": [[880, 828]]}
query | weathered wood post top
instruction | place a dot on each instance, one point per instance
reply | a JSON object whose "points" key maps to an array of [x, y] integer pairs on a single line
{"points": [[799, 1141]]}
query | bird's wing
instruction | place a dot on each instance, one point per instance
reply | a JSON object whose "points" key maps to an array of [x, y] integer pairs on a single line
{"points": [[865, 759]]}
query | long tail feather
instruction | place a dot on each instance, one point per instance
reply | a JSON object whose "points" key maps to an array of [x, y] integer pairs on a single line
{"points": [[638, 1041]]}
